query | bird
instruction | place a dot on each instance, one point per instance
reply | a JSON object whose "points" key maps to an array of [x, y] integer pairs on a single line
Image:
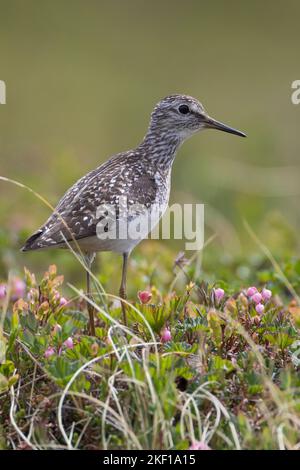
{"points": [[125, 188]]}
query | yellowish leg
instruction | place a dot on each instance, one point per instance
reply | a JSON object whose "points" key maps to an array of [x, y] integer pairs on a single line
{"points": [[122, 291], [90, 308]]}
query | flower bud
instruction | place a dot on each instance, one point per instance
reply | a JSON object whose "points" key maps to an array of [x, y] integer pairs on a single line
{"points": [[257, 298], [144, 296], [219, 294], [19, 288], [2, 291], [266, 294], [49, 352], [166, 335], [199, 445], [251, 291], [259, 308], [57, 328], [69, 343], [62, 302]]}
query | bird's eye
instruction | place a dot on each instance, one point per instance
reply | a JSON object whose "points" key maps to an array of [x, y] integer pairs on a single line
{"points": [[184, 109]]}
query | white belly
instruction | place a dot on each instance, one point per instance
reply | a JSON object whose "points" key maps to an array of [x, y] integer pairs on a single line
{"points": [[133, 229], [123, 239]]}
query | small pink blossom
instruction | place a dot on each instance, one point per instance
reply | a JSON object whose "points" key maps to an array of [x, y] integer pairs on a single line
{"points": [[69, 343], [49, 352], [19, 288], [144, 296], [251, 291], [62, 302], [259, 308], [199, 445], [219, 293], [57, 328], [166, 335], [2, 291], [57, 296], [266, 294], [257, 298]]}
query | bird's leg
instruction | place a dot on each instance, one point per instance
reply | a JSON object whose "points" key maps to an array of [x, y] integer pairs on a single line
{"points": [[89, 259], [122, 291]]}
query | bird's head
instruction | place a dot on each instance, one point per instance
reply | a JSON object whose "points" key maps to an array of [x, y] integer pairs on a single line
{"points": [[183, 116]]}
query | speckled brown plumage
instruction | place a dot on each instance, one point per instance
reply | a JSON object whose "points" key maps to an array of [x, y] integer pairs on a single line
{"points": [[75, 215]]}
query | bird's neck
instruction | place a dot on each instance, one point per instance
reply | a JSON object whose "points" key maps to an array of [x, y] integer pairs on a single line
{"points": [[160, 146]]}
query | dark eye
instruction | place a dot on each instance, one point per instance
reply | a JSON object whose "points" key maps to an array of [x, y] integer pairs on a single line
{"points": [[184, 109]]}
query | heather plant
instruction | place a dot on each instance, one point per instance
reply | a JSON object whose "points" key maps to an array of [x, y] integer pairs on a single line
{"points": [[199, 367]]}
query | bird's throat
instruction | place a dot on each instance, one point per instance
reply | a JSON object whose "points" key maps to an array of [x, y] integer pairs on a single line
{"points": [[160, 147]]}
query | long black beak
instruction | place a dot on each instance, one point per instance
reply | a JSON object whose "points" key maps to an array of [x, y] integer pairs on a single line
{"points": [[211, 123]]}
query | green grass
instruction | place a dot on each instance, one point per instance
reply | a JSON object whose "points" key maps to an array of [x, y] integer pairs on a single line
{"points": [[229, 377]]}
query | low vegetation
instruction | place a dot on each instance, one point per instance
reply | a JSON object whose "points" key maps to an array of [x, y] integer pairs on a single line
{"points": [[200, 366]]}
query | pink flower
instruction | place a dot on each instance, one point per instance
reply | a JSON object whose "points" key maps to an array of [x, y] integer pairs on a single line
{"points": [[259, 308], [199, 445], [266, 294], [144, 296], [57, 328], [69, 343], [57, 296], [251, 291], [62, 302], [2, 291], [165, 335], [49, 352], [219, 294], [257, 298], [19, 288]]}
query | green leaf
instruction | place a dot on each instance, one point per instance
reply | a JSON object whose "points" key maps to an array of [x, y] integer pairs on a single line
{"points": [[218, 363]]}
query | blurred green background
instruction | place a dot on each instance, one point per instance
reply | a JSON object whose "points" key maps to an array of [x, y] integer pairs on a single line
{"points": [[82, 78]]}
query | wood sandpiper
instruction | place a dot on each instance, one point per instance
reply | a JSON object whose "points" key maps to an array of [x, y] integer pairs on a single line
{"points": [[142, 176]]}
